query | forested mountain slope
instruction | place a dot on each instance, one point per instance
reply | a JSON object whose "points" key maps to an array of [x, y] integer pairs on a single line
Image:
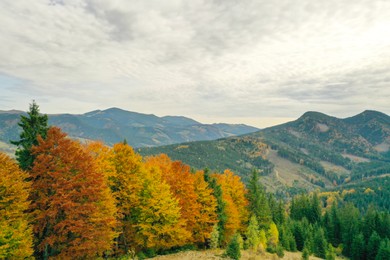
{"points": [[314, 151]]}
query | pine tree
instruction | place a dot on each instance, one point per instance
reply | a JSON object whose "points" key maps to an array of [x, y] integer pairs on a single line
{"points": [[15, 232], [33, 125]]}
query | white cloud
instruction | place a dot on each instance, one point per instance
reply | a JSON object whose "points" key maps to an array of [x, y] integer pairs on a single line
{"points": [[216, 59]]}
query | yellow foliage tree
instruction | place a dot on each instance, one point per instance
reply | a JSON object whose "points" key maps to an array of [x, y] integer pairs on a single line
{"points": [[159, 224], [205, 222], [15, 232], [273, 235], [125, 185], [182, 186]]}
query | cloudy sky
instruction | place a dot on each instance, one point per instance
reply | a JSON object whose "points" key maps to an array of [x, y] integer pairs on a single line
{"points": [[257, 62]]}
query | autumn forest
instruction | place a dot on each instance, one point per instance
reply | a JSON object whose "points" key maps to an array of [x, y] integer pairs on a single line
{"points": [[63, 199]]}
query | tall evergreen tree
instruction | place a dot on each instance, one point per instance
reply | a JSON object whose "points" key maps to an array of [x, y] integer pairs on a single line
{"points": [[319, 243], [373, 246], [315, 209], [358, 247], [221, 205], [258, 202], [384, 250], [33, 125], [233, 248]]}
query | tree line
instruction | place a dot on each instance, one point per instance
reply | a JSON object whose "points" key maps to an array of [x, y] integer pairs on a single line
{"points": [[64, 199]]}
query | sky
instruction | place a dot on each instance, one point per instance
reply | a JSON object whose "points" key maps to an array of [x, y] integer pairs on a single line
{"points": [[255, 62]]}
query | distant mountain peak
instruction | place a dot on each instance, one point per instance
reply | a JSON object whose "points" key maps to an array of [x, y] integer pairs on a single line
{"points": [[368, 115], [317, 116]]}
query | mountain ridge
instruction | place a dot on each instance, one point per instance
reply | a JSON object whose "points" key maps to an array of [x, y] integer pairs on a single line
{"points": [[113, 125]]}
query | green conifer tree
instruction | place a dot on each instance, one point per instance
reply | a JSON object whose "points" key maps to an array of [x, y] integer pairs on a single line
{"points": [[384, 250], [33, 125], [319, 243], [373, 246], [233, 248], [358, 247], [221, 212], [258, 202]]}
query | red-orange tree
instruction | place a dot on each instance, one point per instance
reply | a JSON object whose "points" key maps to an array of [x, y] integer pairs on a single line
{"points": [[74, 213], [15, 232]]}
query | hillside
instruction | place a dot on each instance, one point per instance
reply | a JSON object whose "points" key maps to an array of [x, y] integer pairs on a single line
{"points": [[114, 125], [314, 151]]}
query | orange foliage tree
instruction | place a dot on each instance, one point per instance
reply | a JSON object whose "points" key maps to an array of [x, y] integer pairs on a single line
{"points": [[15, 232], [233, 193], [74, 213], [182, 185]]}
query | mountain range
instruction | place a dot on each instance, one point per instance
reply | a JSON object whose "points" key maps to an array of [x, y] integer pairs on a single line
{"points": [[115, 125], [313, 152]]}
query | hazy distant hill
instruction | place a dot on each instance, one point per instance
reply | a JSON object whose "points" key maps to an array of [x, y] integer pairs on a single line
{"points": [[114, 125], [314, 151]]}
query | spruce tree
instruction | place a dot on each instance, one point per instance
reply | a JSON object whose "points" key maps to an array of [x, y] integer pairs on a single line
{"points": [[221, 205], [258, 202], [384, 250], [358, 247], [315, 209], [373, 246], [320, 244], [305, 254], [33, 125], [233, 248]]}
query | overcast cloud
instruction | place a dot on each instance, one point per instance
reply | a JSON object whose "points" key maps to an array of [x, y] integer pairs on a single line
{"points": [[254, 62]]}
